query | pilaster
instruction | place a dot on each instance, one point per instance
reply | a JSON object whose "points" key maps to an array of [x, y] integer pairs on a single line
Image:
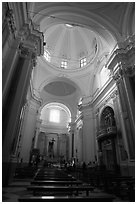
{"points": [[88, 146], [17, 72]]}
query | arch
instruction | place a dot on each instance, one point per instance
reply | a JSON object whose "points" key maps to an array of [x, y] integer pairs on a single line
{"points": [[58, 105], [128, 28]]}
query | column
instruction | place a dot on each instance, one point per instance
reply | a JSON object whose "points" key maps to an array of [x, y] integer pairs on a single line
{"points": [[58, 146], [96, 123], [71, 131], [126, 114], [38, 124], [45, 146], [9, 49], [67, 147], [16, 97], [88, 145]]}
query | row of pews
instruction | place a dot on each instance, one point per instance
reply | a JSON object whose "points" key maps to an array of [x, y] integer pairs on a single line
{"points": [[55, 185], [122, 187]]}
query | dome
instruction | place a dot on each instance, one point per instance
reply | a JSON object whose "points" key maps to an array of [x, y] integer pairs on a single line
{"points": [[69, 46]]}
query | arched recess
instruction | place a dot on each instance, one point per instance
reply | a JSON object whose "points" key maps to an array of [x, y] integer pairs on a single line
{"points": [[107, 118], [56, 131], [107, 140], [60, 114], [57, 105]]}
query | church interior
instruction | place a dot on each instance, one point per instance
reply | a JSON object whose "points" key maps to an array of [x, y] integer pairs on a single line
{"points": [[68, 101]]}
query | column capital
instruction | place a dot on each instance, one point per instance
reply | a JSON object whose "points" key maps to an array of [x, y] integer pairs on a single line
{"points": [[118, 75], [71, 127], [32, 38], [114, 94], [129, 70], [125, 70], [86, 103], [26, 52]]}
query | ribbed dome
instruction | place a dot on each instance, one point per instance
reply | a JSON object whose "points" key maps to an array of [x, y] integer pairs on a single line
{"points": [[66, 45]]}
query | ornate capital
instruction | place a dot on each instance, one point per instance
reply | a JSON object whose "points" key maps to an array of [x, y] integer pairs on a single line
{"points": [[11, 21], [129, 70], [118, 75], [34, 59], [114, 94], [32, 37], [24, 51]]}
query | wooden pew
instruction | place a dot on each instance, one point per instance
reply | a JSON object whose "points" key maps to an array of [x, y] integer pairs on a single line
{"points": [[55, 178], [93, 198], [55, 182], [37, 189]]}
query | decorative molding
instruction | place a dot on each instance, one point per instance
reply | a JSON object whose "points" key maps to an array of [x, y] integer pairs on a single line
{"points": [[122, 53], [34, 59], [118, 75], [11, 21], [24, 51], [32, 38], [114, 94], [129, 70], [124, 71]]}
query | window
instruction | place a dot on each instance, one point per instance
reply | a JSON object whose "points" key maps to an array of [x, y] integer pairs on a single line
{"points": [[47, 56], [64, 64], [69, 25], [54, 116], [104, 75], [83, 62]]}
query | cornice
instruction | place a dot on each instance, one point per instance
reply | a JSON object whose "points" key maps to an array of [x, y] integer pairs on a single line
{"points": [[121, 53], [96, 96]]}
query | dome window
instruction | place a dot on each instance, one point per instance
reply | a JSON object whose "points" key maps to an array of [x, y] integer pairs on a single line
{"points": [[69, 25], [64, 64], [83, 62], [47, 56]]}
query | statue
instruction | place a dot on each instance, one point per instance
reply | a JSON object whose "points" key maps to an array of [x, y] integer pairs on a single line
{"points": [[51, 148]]}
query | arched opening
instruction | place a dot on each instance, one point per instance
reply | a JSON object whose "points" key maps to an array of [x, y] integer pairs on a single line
{"points": [[107, 118], [53, 139]]}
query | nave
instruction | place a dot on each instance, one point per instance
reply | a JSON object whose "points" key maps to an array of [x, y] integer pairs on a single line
{"points": [[68, 95], [49, 182]]}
